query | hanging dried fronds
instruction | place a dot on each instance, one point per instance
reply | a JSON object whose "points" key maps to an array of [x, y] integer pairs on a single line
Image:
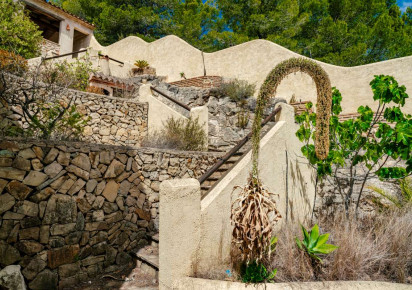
{"points": [[324, 102], [252, 230]]}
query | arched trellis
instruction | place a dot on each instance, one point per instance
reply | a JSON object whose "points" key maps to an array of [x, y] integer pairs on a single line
{"points": [[323, 107]]}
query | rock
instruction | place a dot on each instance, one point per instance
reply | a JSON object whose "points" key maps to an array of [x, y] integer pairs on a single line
{"points": [[61, 256], [114, 217], [98, 203], [120, 202], [27, 154], [80, 222], [29, 247], [51, 156], [76, 186], [33, 268], [62, 230], [73, 238], [69, 270], [28, 208], [96, 226], [106, 157], [36, 164], [100, 187], [18, 190], [56, 242], [98, 216], [39, 152], [99, 237], [83, 205], [30, 222], [144, 215], [92, 260], [64, 158], [29, 234], [53, 169], [8, 254], [44, 194], [111, 189], [44, 234], [21, 163], [66, 185], [123, 258], [82, 161], [91, 185], [109, 207], [45, 280], [35, 178], [9, 215], [6, 202], [124, 187], [3, 184], [11, 278], [115, 169], [12, 173], [78, 171], [60, 209], [6, 162]]}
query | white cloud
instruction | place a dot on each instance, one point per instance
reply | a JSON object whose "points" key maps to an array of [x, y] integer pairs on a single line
{"points": [[404, 5]]}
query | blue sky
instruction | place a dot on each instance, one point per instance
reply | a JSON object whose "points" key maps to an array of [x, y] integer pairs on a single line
{"points": [[403, 4]]}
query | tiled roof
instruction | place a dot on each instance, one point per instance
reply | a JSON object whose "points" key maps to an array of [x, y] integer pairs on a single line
{"points": [[205, 82], [64, 11]]}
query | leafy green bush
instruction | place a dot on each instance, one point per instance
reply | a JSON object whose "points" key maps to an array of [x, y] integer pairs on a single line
{"points": [[315, 244], [236, 90], [356, 144], [179, 134], [17, 32], [257, 273], [74, 74]]}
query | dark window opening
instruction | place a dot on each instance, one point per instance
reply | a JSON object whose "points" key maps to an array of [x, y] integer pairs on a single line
{"points": [[49, 25]]}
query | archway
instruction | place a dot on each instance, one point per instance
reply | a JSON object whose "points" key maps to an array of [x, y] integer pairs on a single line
{"points": [[323, 107]]}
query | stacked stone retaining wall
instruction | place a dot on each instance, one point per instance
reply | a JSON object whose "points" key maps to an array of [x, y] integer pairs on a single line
{"points": [[70, 211]]}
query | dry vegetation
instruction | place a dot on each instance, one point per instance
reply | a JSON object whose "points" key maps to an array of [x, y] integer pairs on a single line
{"points": [[372, 248]]}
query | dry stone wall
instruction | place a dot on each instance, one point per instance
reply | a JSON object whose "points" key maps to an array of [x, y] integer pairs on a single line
{"points": [[69, 211], [114, 121]]}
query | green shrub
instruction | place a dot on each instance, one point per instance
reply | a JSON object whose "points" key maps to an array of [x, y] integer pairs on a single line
{"points": [[17, 32], [256, 273], [179, 134], [236, 90]]}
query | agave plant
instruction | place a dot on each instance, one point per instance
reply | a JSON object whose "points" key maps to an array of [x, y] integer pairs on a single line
{"points": [[314, 243]]}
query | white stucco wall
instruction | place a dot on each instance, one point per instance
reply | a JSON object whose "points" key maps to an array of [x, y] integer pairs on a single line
{"points": [[252, 61]]}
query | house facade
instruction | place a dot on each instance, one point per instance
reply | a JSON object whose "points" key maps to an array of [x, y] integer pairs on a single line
{"points": [[63, 32]]}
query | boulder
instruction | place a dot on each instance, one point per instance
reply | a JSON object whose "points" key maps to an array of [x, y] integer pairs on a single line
{"points": [[82, 161], [11, 278], [45, 280], [8, 254], [35, 178], [6, 202], [19, 190], [111, 189]]}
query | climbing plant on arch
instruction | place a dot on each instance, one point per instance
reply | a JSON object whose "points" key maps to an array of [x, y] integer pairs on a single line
{"points": [[252, 232], [324, 103]]}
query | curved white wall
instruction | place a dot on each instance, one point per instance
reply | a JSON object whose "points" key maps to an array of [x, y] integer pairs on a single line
{"points": [[252, 61]]}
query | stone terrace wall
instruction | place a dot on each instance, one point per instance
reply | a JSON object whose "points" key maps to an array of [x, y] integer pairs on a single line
{"points": [[114, 121], [69, 211]]}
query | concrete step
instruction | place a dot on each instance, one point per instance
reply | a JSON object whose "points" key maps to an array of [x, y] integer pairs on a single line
{"points": [[148, 260]]}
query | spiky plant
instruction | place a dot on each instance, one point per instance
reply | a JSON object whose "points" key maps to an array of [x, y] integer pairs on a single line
{"points": [[251, 209]]}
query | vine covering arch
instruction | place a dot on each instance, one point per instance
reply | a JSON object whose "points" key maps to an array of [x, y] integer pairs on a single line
{"points": [[323, 107]]}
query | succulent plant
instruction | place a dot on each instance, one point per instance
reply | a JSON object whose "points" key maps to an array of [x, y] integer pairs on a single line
{"points": [[314, 243]]}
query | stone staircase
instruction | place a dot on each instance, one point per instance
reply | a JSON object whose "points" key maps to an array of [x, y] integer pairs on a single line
{"points": [[209, 183], [148, 258]]}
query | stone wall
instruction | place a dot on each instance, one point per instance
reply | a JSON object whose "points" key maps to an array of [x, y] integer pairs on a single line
{"points": [[114, 121], [224, 129], [49, 48], [69, 211]]}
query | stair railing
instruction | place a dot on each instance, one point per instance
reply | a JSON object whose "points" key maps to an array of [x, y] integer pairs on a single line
{"points": [[170, 98], [235, 149]]}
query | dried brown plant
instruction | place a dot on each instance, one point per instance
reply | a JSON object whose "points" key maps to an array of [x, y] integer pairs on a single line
{"points": [[252, 231]]}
